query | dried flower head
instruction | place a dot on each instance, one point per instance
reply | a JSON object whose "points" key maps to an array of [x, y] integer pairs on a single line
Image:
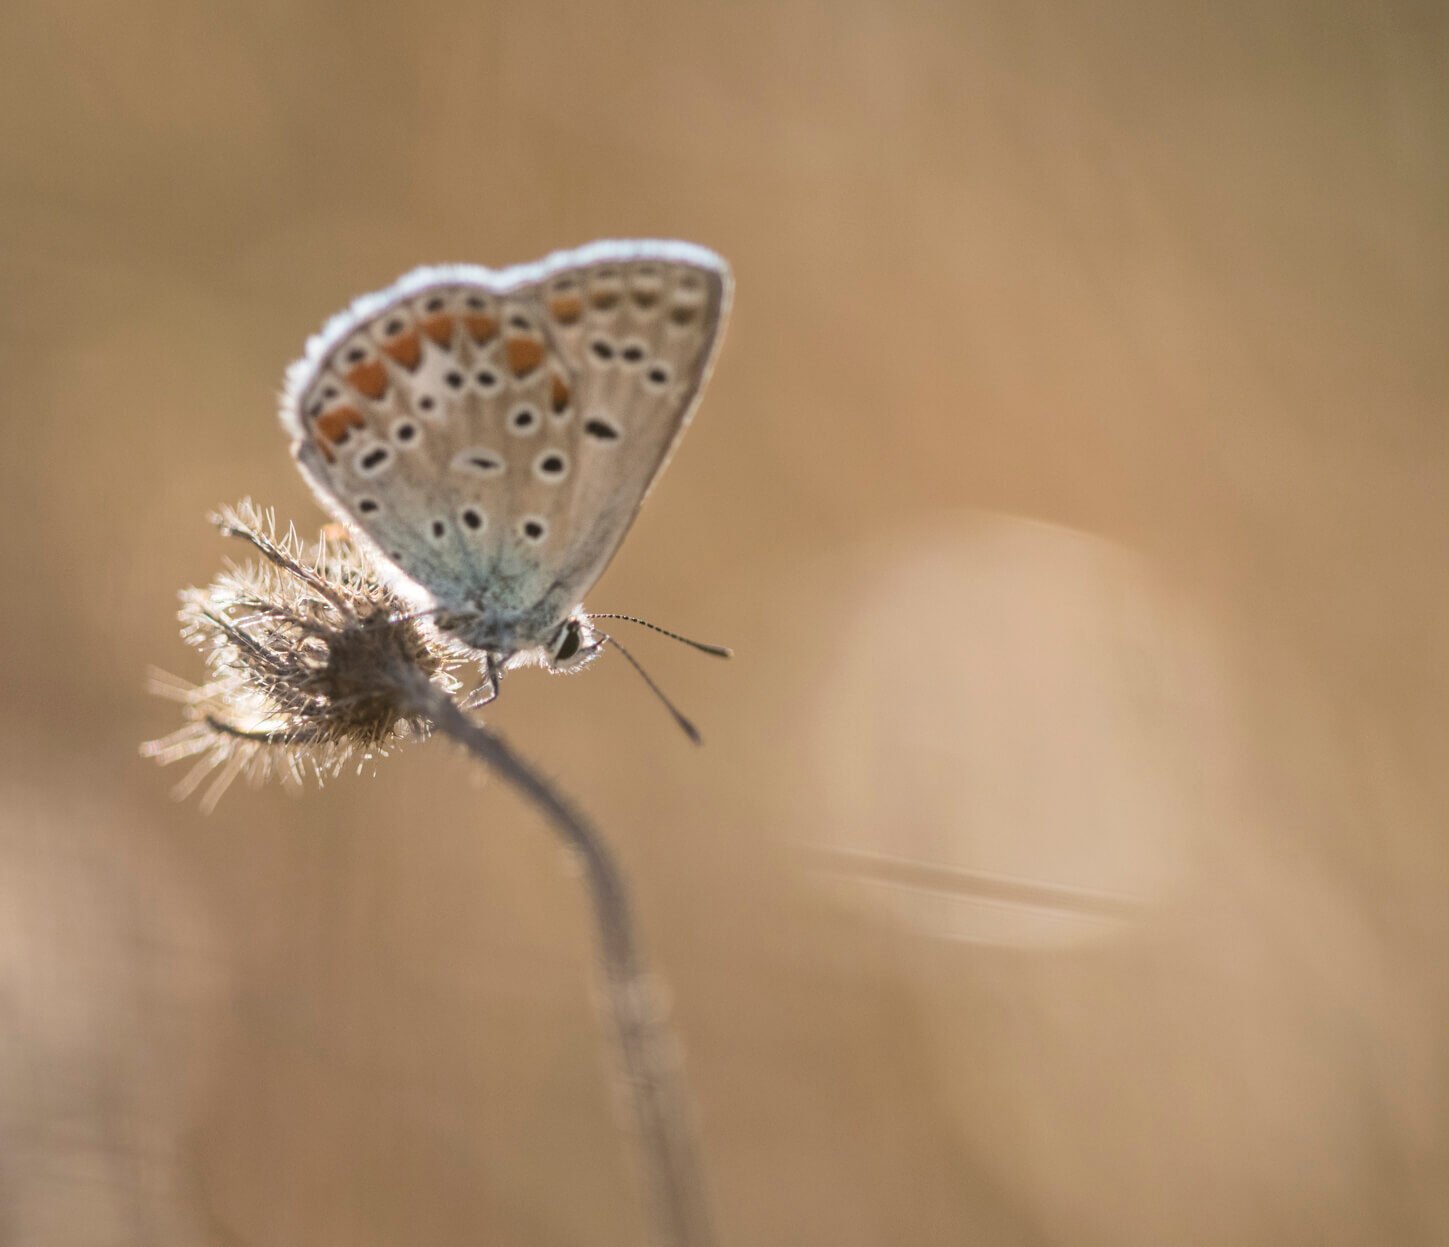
{"points": [[313, 661]]}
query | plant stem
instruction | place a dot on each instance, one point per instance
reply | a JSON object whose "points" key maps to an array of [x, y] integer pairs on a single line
{"points": [[648, 1052]]}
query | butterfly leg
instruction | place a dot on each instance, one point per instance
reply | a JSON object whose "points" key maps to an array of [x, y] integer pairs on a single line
{"points": [[487, 692]]}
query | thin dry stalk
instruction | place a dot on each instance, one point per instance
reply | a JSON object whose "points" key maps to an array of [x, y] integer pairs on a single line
{"points": [[648, 1051]]}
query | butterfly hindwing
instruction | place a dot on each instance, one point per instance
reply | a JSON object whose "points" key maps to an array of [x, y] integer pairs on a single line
{"points": [[493, 434]]}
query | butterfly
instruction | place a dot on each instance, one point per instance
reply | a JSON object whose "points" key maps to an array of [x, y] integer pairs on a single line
{"points": [[491, 434]]}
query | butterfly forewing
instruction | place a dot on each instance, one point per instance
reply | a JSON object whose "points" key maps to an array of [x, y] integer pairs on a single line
{"points": [[494, 434]]}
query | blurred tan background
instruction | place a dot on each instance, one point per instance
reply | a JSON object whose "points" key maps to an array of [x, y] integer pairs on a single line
{"points": [[1066, 862]]}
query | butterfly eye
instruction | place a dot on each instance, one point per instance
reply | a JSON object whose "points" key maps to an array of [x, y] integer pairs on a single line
{"points": [[574, 646], [569, 643]]}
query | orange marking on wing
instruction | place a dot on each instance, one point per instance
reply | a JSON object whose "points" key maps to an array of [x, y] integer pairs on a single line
{"points": [[333, 426], [560, 394], [439, 329], [369, 378], [524, 355], [604, 300], [482, 327], [566, 308], [406, 349]]}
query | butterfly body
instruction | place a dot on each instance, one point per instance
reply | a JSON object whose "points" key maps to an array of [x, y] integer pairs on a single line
{"points": [[492, 434]]}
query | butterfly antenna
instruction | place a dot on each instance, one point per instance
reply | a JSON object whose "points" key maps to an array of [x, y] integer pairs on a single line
{"points": [[685, 725], [719, 651]]}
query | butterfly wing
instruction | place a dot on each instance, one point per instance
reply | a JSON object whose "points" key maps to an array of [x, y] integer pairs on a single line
{"points": [[493, 434]]}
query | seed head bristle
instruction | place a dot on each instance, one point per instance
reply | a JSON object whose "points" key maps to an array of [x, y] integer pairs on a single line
{"points": [[312, 661]]}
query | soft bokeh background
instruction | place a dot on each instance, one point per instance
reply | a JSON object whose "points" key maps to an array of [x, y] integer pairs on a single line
{"points": [[1066, 863]]}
